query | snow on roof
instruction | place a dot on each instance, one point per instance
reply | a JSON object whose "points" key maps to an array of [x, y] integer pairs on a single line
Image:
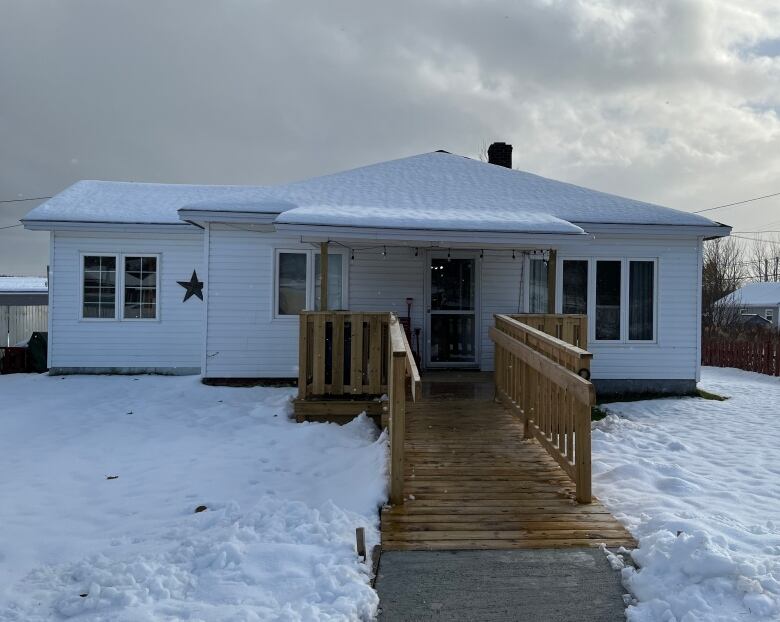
{"points": [[756, 294], [427, 218], [131, 202], [433, 190], [24, 284], [451, 186]]}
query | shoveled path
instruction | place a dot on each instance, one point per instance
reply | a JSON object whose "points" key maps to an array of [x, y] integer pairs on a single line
{"points": [[489, 529], [533, 585]]}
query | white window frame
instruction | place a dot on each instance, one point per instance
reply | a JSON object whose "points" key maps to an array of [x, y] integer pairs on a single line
{"points": [[117, 258], [119, 297], [559, 285], [156, 317], [769, 314], [654, 261], [310, 284], [624, 297]]}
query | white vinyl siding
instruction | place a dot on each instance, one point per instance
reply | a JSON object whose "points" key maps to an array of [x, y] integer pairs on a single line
{"points": [[171, 342], [673, 354]]}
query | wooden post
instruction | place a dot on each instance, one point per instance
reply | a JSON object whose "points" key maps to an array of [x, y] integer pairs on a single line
{"points": [[551, 275], [324, 276], [397, 389], [303, 356], [582, 451]]}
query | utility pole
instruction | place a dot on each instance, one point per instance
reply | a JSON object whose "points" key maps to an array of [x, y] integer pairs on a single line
{"points": [[766, 270], [777, 259]]}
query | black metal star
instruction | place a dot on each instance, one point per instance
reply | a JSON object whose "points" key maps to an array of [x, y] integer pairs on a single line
{"points": [[194, 287]]}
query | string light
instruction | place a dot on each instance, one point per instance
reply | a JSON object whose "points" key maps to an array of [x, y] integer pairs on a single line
{"points": [[416, 250], [384, 251], [513, 253], [481, 253]]}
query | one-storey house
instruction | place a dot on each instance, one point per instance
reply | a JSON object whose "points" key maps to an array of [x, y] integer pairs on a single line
{"points": [[210, 280], [759, 300], [23, 310]]}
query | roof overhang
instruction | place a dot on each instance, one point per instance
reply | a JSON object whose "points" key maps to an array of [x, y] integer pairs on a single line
{"points": [[206, 216], [126, 227], [706, 232], [430, 237]]}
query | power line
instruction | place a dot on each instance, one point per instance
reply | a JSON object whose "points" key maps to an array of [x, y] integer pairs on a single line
{"points": [[20, 200], [709, 209], [11, 226]]}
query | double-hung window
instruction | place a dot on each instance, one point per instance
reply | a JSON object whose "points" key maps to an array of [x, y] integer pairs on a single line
{"points": [[120, 287], [140, 288], [574, 290], [298, 281], [99, 287], [641, 300]]}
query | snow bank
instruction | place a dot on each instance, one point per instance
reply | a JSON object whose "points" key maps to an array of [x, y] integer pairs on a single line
{"points": [[697, 482], [277, 539]]}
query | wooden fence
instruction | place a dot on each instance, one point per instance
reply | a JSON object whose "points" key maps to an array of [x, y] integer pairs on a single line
{"points": [[760, 355], [540, 378], [360, 354]]}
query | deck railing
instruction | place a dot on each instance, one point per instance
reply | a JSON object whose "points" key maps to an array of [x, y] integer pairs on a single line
{"points": [[361, 355], [540, 377], [571, 328]]}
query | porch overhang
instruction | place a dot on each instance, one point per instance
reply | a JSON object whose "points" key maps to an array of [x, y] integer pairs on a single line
{"points": [[463, 239]]}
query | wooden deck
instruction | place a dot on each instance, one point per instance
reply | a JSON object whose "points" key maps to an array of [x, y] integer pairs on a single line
{"points": [[472, 482]]}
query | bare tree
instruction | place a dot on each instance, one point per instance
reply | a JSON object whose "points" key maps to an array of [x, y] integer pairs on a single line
{"points": [[723, 271], [762, 259]]}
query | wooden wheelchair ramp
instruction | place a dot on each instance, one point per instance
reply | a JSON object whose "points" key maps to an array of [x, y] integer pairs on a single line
{"points": [[472, 482]]}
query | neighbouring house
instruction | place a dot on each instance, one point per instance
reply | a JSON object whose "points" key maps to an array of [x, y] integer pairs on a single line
{"points": [[185, 279], [23, 308], [758, 303]]}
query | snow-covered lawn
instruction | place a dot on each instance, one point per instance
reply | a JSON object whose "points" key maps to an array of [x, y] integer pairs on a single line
{"points": [[710, 472], [277, 540]]}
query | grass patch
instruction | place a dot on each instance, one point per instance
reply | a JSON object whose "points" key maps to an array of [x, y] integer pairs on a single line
{"points": [[706, 395], [597, 413]]}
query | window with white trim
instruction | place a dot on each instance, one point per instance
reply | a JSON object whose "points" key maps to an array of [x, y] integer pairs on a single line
{"points": [[769, 314], [537, 285], [608, 299], [99, 287], [641, 300], [140, 287], [574, 289], [297, 281]]}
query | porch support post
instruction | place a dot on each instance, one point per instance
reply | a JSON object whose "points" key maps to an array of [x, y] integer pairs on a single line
{"points": [[551, 275], [324, 276]]}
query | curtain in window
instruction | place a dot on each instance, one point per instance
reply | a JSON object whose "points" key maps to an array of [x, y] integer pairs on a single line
{"points": [[537, 286], [641, 279], [575, 286], [608, 300], [292, 283]]}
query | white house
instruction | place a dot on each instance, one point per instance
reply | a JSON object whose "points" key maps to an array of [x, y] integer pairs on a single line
{"points": [[461, 238], [760, 300]]}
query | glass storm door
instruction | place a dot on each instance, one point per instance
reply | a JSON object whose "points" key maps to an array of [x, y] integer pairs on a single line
{"points": [[452, 312]]}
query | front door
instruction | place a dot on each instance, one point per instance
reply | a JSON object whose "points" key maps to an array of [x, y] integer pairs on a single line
{"points": [[452, 326]]}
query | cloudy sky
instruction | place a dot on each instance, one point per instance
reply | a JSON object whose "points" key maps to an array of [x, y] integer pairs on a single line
{"points": [[672, 101]]}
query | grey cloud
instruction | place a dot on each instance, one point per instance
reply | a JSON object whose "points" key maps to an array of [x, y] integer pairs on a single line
{"points": [[658, 101]]}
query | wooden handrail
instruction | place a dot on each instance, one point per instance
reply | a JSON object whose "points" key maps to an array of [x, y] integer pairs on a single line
{"points": [[571, 356], [401, 365], [571, 328], [380, 361], [538, 377]]}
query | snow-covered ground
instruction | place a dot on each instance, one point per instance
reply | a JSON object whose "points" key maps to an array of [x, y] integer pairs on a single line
{"points": [[698, 483], [277, 540]]}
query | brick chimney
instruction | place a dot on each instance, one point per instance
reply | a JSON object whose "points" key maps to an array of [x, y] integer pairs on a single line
{"points": [[500, 154]]}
